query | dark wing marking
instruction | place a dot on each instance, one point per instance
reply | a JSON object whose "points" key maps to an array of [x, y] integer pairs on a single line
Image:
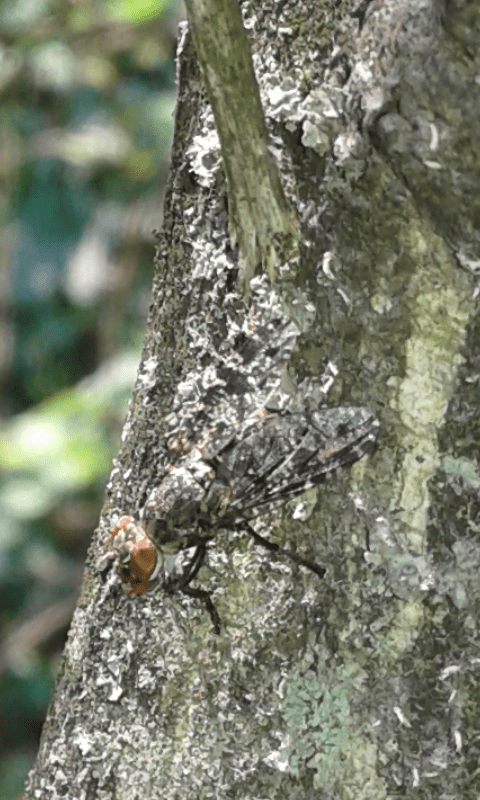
{"points": [[291, 452]]}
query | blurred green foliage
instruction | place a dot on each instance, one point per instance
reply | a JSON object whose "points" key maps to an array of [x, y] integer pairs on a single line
{"points": [[61, 447], [87, 90], [138, 10]]}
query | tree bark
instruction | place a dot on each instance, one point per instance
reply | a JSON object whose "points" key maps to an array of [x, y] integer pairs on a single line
{"points": [[361, 684]]}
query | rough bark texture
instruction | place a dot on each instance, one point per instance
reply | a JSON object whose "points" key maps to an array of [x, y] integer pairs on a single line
{"points": [[362, 684]]}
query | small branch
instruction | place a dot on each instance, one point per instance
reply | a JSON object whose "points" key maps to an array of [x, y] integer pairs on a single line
{"points": [[261, 222]]}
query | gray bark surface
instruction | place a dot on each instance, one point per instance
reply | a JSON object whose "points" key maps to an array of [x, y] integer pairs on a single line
{"points": [[363, 684]]}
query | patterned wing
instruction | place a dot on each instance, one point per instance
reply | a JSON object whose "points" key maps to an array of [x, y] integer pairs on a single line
{"points": [[290, 452]]}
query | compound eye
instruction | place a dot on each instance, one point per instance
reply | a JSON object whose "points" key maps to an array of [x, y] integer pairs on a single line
{"points": [[144, 559]]}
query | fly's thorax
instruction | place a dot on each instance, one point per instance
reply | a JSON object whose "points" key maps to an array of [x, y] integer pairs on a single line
{"points": [[179, 497], [171, 538]]}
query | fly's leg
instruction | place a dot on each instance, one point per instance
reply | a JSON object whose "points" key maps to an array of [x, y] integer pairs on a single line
{"points": [[201, 594], [193, 567], [275, 548]]}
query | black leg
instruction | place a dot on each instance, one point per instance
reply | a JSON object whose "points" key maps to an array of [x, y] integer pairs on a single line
{"points": [[193, 567], [202, 594], [183, 585], [275, 548]]}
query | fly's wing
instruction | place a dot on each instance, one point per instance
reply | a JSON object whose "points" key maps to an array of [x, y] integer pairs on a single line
{"points": [[291, 452]]}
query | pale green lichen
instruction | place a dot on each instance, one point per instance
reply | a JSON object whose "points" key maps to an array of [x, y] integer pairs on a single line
{"points": [[325, 735], [318, 721]]}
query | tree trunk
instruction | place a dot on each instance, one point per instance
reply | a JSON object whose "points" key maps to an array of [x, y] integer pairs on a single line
{"points": [[363, 683]]}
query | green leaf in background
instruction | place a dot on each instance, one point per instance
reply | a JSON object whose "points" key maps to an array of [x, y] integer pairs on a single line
{"points": [[59, 447], [137, 10]]}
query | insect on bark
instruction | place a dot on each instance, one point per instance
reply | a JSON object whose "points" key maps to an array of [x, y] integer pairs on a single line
{"points": [[230, 479]]}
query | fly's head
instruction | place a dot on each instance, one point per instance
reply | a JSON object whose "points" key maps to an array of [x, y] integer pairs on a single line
{"points": [[138, 561]]}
